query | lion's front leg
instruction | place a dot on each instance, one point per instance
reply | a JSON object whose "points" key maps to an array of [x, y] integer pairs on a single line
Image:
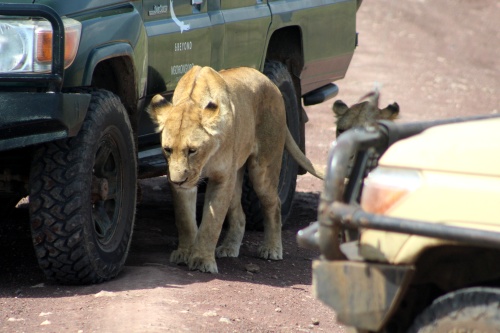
{"points": [[185, 220], [230, 247], [216, 204]]}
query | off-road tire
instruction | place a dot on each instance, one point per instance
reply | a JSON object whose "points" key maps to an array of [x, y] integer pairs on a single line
{"points": [[81, 232], [466, 310], [279, 74]]}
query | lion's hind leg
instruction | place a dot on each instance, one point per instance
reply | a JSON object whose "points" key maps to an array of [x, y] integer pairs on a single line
{"points": [[265, 184]]}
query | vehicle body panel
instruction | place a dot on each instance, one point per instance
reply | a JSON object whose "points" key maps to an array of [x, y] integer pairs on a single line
{"points": [[175, 45], [460, 185], [449, 148], [338, 37], [113, 31], [64, 8], [246, 25]]}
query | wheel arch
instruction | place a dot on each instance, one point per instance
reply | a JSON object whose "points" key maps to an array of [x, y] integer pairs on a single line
{"points": [[285, 45], [452, 267], [112, 68]]}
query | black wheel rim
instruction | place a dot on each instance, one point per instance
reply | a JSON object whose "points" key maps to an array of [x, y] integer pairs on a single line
{"points": [[107, 185]]}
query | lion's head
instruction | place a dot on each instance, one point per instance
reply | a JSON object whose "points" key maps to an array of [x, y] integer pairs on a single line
{"points": [[189, 127], [361, 114]]}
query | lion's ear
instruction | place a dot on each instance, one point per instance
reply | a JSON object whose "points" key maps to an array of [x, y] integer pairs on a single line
{"points": [[158, 110], [339, 108], [210, 110], [212, 106], [391, 112], [211, 117]]}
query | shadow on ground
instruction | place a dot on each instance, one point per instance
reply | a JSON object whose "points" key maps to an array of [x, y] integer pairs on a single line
{"points": [[148, 267]]}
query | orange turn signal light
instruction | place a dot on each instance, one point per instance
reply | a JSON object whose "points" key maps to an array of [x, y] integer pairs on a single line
{"points": [[44, 46]]}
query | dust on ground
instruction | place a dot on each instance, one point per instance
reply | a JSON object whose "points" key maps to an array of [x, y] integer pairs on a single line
{"points": [[437, 59]]}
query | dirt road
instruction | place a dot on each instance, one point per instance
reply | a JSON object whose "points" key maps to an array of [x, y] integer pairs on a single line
{"points": [[437, 59]]}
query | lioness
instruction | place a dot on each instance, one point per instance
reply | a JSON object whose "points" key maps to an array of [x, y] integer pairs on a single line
{"points": [[361, 113], [217, 124]]}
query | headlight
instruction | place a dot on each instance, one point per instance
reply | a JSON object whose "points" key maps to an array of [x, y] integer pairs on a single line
{"points": [[26, 44], [384, 187]]}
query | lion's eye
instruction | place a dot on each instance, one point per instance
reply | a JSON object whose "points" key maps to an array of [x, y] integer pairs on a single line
{"points": [[167, 150], [192, 151]]}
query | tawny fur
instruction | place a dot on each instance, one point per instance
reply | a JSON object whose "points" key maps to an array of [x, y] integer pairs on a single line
{"points": [[217, 124]]}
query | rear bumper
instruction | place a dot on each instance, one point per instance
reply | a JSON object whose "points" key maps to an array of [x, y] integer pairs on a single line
{"points": [[30, 118]]}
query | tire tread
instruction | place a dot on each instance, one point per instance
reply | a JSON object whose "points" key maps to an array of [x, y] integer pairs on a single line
{"points": [[56, 201], [471, 305]]}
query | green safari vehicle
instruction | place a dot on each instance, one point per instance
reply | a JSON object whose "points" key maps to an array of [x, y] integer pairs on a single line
{"points": [[76, 78]]}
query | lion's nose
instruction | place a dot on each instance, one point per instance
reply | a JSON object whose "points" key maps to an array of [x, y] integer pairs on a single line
{"points": [[177, 175]]}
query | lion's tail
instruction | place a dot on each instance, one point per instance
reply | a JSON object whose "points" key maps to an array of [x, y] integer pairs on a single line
{"points": [[299, 156]]}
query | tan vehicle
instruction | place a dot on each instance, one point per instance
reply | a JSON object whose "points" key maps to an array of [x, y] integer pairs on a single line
{"points": [[423, 203]]}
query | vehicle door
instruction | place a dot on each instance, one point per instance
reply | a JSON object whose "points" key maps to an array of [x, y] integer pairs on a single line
{"points": [[179, 37], [246, 23]]}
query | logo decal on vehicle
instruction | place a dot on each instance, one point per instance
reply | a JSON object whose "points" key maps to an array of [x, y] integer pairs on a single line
{"points": [[163, 9], [158, 10]]}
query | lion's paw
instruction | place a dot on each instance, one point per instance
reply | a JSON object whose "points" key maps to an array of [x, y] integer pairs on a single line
{"points": [[207, 265], [179, 256], [273, 253], [227, 251]]}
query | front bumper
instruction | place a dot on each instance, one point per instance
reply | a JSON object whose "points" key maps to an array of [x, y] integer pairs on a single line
{"points": [[30, 118], [26, 117], [364, 295]]}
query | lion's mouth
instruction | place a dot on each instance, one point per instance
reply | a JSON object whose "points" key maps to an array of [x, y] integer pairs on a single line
{"points": [[185, 183]]}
